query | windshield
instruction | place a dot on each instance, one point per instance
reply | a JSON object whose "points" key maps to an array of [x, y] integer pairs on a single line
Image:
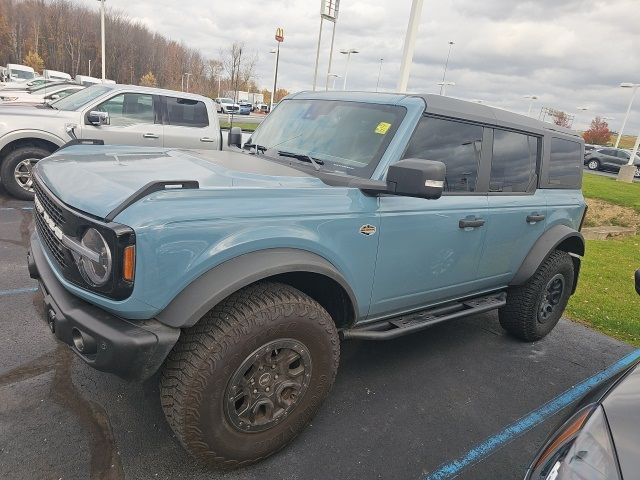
{"points": [[348, 137], [22, 74], [80, 98]]}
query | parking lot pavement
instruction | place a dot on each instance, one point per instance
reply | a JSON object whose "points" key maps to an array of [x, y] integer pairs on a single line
{"points": [[398, 410], [606, 174]]}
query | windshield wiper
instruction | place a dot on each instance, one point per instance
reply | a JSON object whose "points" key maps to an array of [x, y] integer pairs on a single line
{"points": [[303, 157]]}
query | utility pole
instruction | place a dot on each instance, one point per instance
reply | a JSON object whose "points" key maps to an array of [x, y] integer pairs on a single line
{"points": [[409, 44], [279, 40], [102, 36], [379, 72], [446, 64]]}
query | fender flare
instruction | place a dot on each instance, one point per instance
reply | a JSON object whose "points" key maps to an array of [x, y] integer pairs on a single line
{"points": [[219, 282], [557, 237], [29, 134]]}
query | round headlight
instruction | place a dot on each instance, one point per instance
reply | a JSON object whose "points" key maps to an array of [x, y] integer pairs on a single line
{"points": [[95, 273]]}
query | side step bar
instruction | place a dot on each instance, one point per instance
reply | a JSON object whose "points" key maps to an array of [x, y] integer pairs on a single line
{"points": [[398, 326]]}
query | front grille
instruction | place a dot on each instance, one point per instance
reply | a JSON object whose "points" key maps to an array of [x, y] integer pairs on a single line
{"points": [[52, 209], [53, 244]]}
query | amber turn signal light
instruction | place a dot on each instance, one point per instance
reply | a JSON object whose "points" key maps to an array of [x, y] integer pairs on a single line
{"points": [[129, 263]]}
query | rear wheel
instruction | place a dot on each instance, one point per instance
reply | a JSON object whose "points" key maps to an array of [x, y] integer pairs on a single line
{"points": [[533, 309], [593, 164], [245, 380], [16, 171]]}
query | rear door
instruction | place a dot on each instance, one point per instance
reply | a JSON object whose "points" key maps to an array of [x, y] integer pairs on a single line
{"points": [[622, 158], [608, 158], [134, 120], [187, 124], [517, 210]]}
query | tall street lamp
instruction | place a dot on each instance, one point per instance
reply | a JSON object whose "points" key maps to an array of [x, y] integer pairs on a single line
{"points": [[185, 75], [334, 75], [102, 36], [279, 40], [348, 53], [633, 86], [446, 64], [443, 87], [581, 109], [379, 72], [532, 98]]}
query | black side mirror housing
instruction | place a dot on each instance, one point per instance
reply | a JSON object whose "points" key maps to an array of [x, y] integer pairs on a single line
{"points": [[98, 118], [638, 281], [234, 138], [415, 177]]}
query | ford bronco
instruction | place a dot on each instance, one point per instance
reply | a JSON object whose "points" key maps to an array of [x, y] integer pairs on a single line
{"points": [[344, 216]]}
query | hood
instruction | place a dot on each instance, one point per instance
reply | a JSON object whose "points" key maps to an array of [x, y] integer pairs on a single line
{"points": [[9, 111], [96, 179]]}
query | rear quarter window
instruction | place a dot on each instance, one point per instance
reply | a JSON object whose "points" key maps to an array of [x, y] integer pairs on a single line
{"points": [[186, 112], [565, 164]]}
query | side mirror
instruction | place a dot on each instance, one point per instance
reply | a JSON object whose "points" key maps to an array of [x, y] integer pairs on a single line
{"points": [[234, 138], [55, 96], [414, 177], [98, 118], [638, 281]]}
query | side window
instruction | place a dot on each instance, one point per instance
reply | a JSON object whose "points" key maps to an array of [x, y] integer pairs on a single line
{"points": [[513, 164], [606, 151], [622, 154], [566, 164], [129, 109], [458, 145], [186, 112]]}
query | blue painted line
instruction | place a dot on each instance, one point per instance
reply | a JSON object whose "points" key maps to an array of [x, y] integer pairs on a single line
{"points": [[490, 445], [17, 291]]}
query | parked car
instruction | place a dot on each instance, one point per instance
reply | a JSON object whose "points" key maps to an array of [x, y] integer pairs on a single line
{"points": [[226, 105], [56, 75], [347, 215], [262, 107], [599, 438], [22, 73], [114, 114], [38, 96], [588, 148], [245, 108], [610, 159]]}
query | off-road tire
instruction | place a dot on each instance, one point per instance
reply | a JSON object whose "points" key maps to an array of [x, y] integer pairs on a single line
{"points": [[8, 167], [520, 316], [194, 380]]}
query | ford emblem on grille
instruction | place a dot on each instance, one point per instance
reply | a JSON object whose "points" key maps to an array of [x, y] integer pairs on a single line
{"points": [[47, 219]]}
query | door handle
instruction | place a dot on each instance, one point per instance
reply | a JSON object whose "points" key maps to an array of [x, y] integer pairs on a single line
{"points": [[471, 222], [149, 135], [535, 217], [207, 139]]}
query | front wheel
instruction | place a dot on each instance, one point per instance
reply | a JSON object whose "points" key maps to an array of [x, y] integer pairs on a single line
{"points": [[534, 309], [16, 171], [245, 380], [593, 164]]}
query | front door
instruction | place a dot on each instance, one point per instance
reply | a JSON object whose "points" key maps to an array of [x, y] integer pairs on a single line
{"points": [[429, 250], [133, 121]]}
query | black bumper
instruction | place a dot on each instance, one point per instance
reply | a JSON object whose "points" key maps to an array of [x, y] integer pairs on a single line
{"points": [[133, 350]]}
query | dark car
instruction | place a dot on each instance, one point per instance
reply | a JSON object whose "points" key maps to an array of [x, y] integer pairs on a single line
{"points": [[600, 439], [610, 159], [588, 148]]}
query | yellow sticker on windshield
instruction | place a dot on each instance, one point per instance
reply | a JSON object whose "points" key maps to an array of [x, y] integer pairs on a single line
{"points": [[382, 128]]}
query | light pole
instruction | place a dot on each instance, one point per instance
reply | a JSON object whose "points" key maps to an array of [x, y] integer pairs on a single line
{"points": [[379, 72], [279, 40], [102, 36], [443, 85], [532, 98], [348, 53], [409, 44], [633, 86], [446, 64], [334, 75], [187, 75]]}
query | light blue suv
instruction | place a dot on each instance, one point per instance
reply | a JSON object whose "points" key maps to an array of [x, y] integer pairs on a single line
{"points": [[345, 216]]}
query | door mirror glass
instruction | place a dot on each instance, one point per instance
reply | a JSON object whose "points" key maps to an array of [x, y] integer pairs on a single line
{"points": [[98, 118], [415, 177]]}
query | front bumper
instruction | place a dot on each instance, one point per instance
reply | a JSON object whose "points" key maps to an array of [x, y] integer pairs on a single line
{"points": [[133, 350]]}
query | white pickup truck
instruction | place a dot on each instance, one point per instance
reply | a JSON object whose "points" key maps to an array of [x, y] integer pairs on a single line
{"points": [[113, 114]]}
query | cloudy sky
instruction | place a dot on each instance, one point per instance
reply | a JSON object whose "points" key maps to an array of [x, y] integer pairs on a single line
{"points": [[570, 53]]}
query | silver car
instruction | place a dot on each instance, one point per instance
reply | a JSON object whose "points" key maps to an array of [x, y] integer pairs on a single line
{"points": [[610, 159], [112, 114]]}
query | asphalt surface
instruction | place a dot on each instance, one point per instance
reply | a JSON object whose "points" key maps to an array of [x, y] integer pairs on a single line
{"points": [[398, 410], [251, 118], [606, 174]]}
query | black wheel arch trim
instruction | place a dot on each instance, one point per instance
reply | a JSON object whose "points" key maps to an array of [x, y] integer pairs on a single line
{"points": [[557, 237], [219, 282]]}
